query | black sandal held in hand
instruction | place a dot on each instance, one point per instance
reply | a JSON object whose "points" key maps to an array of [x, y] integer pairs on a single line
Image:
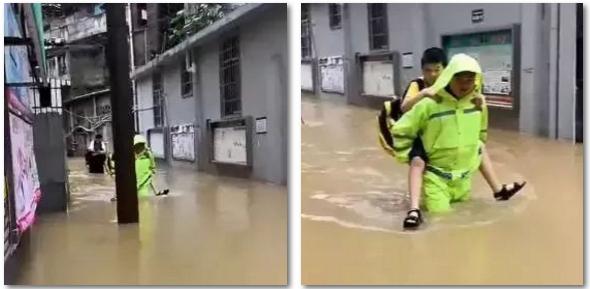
{"points": [[505, 194], [163, 193], [412, 221]]}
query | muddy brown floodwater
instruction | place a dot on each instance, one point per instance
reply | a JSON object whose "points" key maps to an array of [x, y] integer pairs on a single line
{"points": [[354, 200], [208, 230]]}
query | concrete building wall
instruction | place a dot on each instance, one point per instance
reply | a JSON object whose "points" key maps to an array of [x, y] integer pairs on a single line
{"points": [[264, 93], [264, 82], [264, 55], [145, 103], [545, 97], [567, 72], [88, 71], [209, 98], [332, 42], [179, 110]]}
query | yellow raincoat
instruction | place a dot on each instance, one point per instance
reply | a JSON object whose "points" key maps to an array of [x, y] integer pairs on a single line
{"points": [[145, 167], [452, 131]]}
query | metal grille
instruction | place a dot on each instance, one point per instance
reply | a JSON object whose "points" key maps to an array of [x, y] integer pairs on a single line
{"points": [[231, 103], [186, 81], [305, 31], [157, 98], [59, 91], [378, 32], [335, 15]]}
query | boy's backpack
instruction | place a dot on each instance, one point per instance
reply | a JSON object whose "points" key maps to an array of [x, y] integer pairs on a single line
{"points": [[391, 112]]}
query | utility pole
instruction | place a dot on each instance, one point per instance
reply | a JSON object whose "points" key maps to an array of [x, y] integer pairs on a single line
{"points": [[117, 52], [132, 55]]}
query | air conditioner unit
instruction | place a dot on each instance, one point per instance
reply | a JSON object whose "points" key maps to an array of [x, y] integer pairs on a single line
{"points": [[189, 64]]}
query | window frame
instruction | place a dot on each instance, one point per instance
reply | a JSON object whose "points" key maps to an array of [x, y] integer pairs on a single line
{"points": [[230, 77], [306, 51], [186, 80], [371, 19], [335, 12], [157, 98]]}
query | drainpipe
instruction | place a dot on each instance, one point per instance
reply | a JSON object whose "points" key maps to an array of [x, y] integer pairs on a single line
{"points": [[132, 60], [553, 70]]}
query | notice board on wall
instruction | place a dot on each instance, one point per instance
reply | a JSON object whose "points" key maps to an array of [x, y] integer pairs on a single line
{"points": [[26, 187], [229, 145], [183, 142], [494, 50]]}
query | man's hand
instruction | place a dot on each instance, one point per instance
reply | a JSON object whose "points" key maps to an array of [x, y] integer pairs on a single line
{"points": [[478, 101]]}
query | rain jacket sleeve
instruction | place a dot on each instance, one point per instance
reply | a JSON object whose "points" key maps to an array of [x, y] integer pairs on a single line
{"points": [[408, 128]]}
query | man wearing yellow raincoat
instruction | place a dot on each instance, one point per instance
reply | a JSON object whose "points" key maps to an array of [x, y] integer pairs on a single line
{"points": [[452, 125], [145, 168]]}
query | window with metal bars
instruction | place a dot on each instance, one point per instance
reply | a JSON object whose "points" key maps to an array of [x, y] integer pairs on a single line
{"points": [[62, 65], [378, 31], [335, 11], [305, 31], [229, 63], [141, 15], [186, 81], [158, 93]]}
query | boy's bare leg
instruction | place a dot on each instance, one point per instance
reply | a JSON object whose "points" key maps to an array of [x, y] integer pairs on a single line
{"points": [[154, 189], [501, 192], [415, 176], [156, 192], [488, 172], [417, 166]]}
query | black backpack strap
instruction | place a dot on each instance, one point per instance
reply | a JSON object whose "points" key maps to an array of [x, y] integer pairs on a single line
{"points": [[383, 128], [421, 85]]}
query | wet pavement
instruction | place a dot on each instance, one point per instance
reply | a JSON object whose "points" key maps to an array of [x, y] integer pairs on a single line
{"points": [[209, 230], [354, 200]]}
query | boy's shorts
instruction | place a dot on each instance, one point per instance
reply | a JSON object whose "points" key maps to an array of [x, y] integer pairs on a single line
{"points": [[418, 150]]}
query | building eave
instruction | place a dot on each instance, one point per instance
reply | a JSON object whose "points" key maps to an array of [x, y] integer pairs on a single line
{"points": [[227, 23]]}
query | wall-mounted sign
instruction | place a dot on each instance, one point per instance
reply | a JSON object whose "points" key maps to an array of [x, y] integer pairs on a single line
{"points": [[260, 125], [494, 52], [183, 142], [407, 60], [477, 16], [332, 74], [229, 145]]}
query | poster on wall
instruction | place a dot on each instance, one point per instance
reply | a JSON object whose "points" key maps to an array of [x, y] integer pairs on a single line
{"points": [[332, 74], [229, 145], [183, 142], [494, 52], [306, 77], [378, 78], [27, 191], [17, 68]]}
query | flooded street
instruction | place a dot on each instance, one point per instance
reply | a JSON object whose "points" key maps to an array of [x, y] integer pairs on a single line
{"points": [[208, 230], [354, 198]]}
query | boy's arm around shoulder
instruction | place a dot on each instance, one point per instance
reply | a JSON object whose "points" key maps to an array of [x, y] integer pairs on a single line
{"points": [[408, 127]]}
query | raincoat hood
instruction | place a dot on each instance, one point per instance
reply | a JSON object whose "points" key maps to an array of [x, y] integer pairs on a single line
{"points": [[459, 63], [139, 139]]}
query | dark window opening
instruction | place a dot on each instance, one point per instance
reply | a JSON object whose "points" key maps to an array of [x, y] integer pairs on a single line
{"points": [[305, 31], [335, 15], [378, 32], [229, 62], [141, 15], [158, 93], [186, 81]]}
